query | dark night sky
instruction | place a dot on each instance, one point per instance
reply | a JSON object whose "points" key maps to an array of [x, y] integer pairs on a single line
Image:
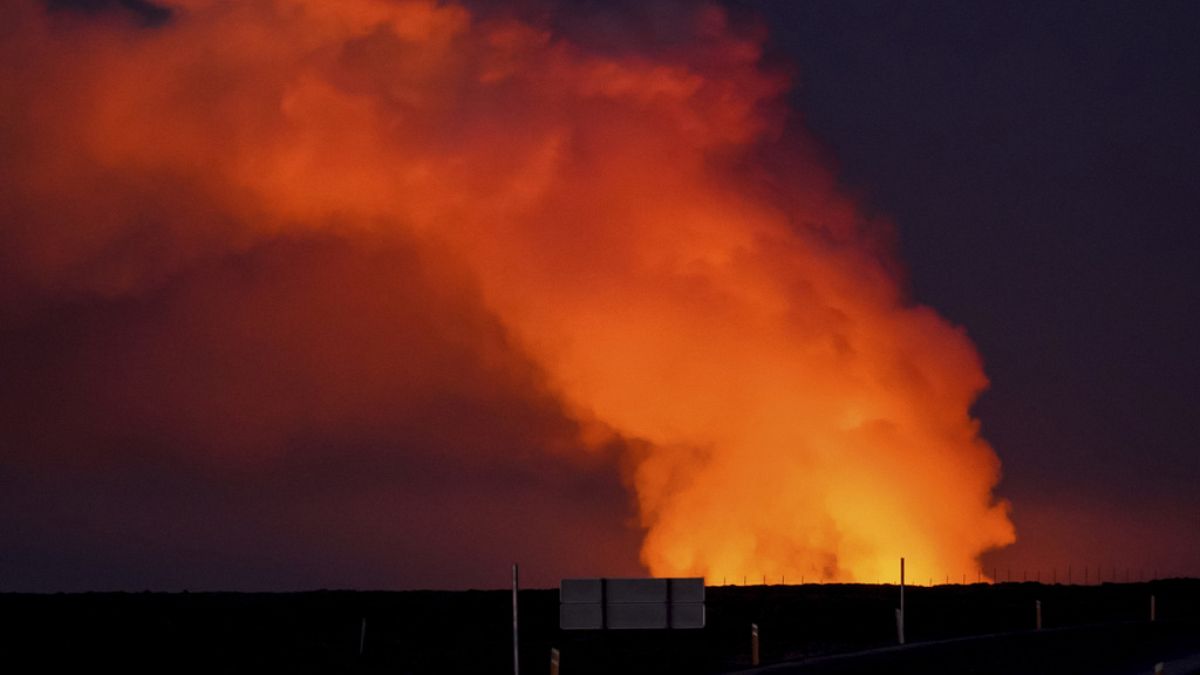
{"points": [[1040, 160]]}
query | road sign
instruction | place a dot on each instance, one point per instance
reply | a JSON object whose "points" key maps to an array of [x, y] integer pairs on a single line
{"points": [[648, 604]]}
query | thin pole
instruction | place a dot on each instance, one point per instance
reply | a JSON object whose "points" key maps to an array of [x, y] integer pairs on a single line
{"points": [[516, 641], [900, 616], [362, 637], [1038, 606], [754, 644]]}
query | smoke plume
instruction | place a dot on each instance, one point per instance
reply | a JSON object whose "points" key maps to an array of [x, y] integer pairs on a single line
{"points": [[266, 242]]}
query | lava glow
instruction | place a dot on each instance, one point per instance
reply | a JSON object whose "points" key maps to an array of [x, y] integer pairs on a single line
{"points": [[644, 222]]}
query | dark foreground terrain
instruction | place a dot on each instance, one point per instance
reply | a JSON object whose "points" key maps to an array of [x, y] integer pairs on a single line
{"points": [[810, 628]]}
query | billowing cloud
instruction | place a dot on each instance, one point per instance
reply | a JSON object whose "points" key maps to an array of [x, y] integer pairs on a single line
{"points": [[432, 284]]}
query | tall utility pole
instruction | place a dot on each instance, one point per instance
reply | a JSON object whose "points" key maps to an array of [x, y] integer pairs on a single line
{"points": [[900, 614], [516, 643]]}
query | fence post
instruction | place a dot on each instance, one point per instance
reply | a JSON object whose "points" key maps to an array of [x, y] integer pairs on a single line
{"points": [[754, 644], [554, 658]]}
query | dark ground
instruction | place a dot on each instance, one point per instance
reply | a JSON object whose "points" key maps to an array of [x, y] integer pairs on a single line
{"points": [[1088, 629], [1109, 649]]}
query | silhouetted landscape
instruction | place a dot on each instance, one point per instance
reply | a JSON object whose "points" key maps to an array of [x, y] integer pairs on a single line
{"points": [[1092, 629]]}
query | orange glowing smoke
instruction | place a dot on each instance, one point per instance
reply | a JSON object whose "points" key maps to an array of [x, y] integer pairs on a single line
{"points": [[683, 268]]}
